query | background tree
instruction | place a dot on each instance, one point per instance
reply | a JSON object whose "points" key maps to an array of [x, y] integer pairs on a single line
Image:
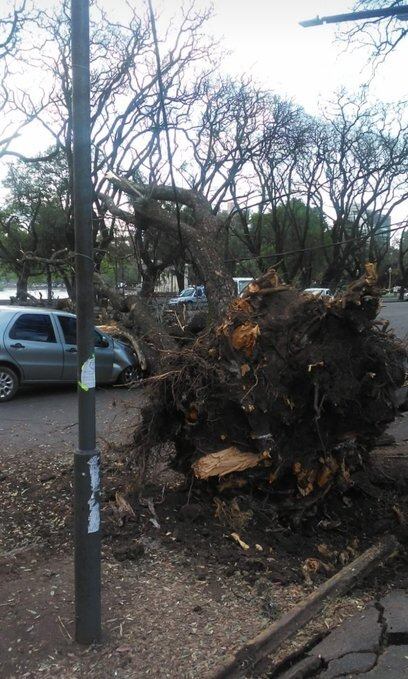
{"points": [[364, 151], [34, 220], [381, 35]]}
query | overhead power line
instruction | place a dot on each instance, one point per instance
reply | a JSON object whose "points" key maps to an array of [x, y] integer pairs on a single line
{"points": [[364, 15], [373, 234]]}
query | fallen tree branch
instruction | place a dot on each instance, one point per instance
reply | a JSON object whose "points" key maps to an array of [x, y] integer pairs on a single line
{"points": [[138, 314], [272, 637], [119, 331]]}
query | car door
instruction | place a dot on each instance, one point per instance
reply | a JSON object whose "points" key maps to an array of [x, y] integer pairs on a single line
{"points": [[103, 351], [31, 340], [201, 297]]}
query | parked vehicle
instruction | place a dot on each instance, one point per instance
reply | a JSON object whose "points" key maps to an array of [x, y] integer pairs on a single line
{"points": [[241, 284], [38, 346], [319, 292], [192, 296]]}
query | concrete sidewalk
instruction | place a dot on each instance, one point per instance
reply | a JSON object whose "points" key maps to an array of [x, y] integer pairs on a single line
{"points": [[373, 643]]}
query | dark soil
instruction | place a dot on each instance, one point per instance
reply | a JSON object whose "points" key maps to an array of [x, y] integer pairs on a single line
{"points": [[284, 396], [179, 591]]}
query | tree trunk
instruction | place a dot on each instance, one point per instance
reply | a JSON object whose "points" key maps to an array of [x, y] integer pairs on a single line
{"points": [[49, 284], [139, 317], [149, 280], [22, 285], [69, 282], [180, 278], [201, 236]]}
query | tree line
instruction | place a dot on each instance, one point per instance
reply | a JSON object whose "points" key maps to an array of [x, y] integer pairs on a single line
{"points": [[183, 155]]}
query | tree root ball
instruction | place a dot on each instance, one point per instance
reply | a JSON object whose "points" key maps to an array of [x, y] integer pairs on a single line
{"points": [[285, 396]]}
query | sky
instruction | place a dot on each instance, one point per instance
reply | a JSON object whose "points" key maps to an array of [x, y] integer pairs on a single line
{"points": [[308, 64], [264, 39]]}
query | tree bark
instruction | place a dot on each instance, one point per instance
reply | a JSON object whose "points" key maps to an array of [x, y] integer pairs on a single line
{"points": [[200, 238], [22, 286], [149, 280], [180, 278], [49, 283], [138, 315], [69, 282]]}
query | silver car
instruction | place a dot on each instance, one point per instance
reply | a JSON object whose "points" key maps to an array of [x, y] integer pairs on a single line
{"points": [[39, 346]]}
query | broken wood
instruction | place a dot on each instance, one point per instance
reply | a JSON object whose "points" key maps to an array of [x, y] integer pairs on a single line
{"points": [[247, 657], [116, 330], [225, 462]]}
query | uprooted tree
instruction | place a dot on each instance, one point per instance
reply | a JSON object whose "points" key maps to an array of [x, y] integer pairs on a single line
{"points": [[282, 392], [275, 390]]}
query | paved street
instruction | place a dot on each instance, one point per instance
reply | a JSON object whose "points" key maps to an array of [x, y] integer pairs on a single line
{"points": [[397, 314], [45, 419]]}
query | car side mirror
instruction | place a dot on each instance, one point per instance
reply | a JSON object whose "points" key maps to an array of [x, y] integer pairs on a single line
{"points": [[103, 343]]}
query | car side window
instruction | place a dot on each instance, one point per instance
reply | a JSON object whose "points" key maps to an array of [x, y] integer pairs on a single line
{"points": [[33, 328], [69, 328], [68, 325]]}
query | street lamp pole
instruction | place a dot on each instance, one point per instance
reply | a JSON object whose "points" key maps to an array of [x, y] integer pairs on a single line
{"points": [[400, 12], [389, 278], [87, 532]]}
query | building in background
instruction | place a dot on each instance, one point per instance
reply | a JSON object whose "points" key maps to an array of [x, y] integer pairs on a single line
{"points": [[381, 226]]}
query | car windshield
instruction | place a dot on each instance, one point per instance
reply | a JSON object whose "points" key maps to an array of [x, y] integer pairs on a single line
{"points": [[188, 292], [242, 285]]}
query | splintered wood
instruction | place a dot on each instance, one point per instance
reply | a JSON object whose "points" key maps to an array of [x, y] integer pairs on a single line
{"points": [[225, 462]]}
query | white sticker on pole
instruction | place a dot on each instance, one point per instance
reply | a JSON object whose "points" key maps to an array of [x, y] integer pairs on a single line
{"points": [[88, 374], [94, 519]]}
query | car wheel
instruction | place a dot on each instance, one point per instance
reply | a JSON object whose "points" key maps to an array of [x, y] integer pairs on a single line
{"points": [[129, 375], [8, 383]]}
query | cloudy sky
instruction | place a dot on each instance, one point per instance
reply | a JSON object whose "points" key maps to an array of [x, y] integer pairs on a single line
{"points": [[307, 64], [264, 39]]}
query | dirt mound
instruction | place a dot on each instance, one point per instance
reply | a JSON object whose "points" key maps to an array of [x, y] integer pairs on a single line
{"points": [[286, 396]]}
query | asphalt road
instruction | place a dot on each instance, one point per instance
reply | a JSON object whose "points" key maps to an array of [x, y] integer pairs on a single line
{"points": [[397, 314], [45, 419]]}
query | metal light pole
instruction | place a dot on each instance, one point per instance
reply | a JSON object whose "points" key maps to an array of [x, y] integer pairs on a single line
{"points": [[400, 12], [389, 278], [87, 533]]}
